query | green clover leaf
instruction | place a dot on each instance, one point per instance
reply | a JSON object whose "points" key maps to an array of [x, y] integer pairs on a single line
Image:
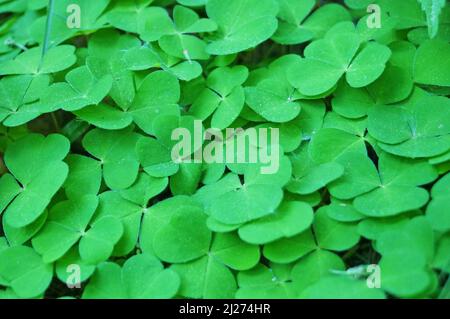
{"points": [[275, 101], [441, 259], [241, 24], [438, 208], [24, 271], [343, 211], [233, 205], [29, 62], [168, 224], [264, 282], [62, 14], [392, 191], [223, 98], [289, 249], [358, 4], [85, 176], [81, 89], [39, 179], [290, 219], [67, 224], [157, 95], [98, 243], [131, 207], [209, 276], [112, 281], [429, 68], [421, 130], [115, 151], [179, 42], [19, 236], [10, 134], [150, 56], [106, 53], [136, 16], [309, 177], [394, 85], [334, 235], [19, 96], [373, 228], [415, 245], [329, 144], [193, 3], [297, 24], [335, 55], [187, 179], [9, 188], [406, 14], [313, 267], [414, 279], [72, 257], [105, 116], [155, 157], [130, 167]]}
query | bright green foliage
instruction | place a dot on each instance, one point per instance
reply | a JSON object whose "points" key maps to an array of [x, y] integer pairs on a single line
{"points": [[57, 59], [36, 163], [430, 69], [290, 219], [391, 191], [334, 235], [105, 57], [438, 209], [308, 176], [422, 127], [264, 282], [155, 155], [232, 202], [67, 223], [297, 26], [241, 25], [85, 176], [328, 59], [28, 276], [60, 32], [131, 207], [142, 276], [82, 89], [358, 4], [167, 225], [209, 276], [157, 95], [19, 96], [341, 288], [136, 16], [313, 267], [223, 96], [179, 43], [95, 202], [412, 251], [115, 151], [273, 100]]}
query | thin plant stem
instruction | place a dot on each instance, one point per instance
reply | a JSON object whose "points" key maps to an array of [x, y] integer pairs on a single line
{"points": [[48, 28], [55, 121], [12, 43], [46, 44]]}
